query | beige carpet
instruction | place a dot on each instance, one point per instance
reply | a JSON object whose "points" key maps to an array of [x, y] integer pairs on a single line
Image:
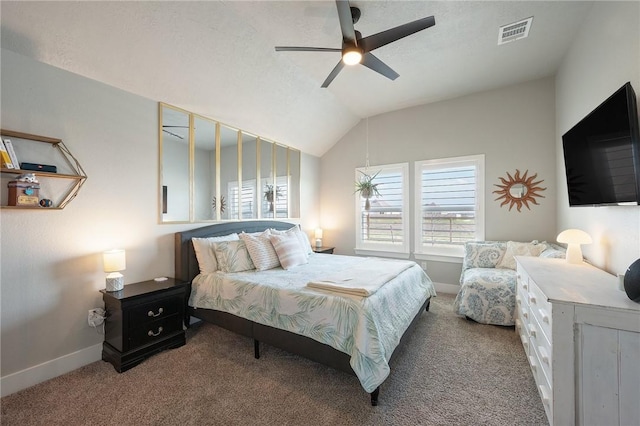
{"points": [[451, 372]]}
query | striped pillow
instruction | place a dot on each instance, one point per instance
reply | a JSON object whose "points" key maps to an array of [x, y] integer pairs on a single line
{"points": [[302, 237], [287, 246], [261, 250]]}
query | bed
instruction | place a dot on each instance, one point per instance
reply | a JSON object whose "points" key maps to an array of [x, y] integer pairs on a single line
{"points": [[358, 335]]}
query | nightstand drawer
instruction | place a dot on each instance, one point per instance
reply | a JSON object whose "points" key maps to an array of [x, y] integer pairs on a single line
{"points": [[157, 309], [155, 331]]}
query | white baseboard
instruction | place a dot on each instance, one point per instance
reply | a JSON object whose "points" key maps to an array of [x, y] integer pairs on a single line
{"points": [[446, 288], [28, 377]]}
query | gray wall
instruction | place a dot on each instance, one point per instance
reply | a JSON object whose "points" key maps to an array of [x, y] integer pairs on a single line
{"points": [[604, 56], [513, 127], [51, 262]]}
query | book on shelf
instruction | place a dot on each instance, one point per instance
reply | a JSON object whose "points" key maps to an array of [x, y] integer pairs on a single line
{"points": [[12, 153], [6, 159]]}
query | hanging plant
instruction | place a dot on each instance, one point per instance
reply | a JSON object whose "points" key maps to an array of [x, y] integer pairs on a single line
{"points": [[270, 195], [367, 188]]}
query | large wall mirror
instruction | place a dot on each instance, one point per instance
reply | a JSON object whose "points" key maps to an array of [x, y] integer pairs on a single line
{"points": [[211, 172]]}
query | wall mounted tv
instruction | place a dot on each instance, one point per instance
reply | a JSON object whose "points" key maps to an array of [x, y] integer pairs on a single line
{"points": [[602, 154]]}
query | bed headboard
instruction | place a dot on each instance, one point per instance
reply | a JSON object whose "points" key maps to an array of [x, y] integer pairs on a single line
{"points": [[186, 264]]}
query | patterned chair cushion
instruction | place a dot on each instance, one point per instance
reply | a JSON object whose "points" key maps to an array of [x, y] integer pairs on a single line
{"points": [[487, 296], [482, 254]]}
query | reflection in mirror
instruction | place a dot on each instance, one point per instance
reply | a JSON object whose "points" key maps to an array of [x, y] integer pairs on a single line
{"points": [[282, 182], [204, 177], [518, 190], [248, 202], [294, 183], [174, 165], [266, 178], [228, 173]]}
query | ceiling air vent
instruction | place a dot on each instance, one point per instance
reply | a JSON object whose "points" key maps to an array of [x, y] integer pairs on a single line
{"points": [[515, 31]]}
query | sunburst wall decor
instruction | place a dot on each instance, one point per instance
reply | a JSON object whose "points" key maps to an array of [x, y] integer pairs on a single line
{"points": [[519, 190]]}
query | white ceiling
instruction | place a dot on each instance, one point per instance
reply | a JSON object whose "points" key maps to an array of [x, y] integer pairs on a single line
{"points": [[217, 58]]}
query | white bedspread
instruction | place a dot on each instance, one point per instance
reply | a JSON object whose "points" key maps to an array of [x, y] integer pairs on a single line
{"points": [[366, 328], [362, 279]]}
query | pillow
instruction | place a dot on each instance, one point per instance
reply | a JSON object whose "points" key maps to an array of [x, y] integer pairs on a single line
{"points": [[552, 253], [519, 249], [302, 237], [204, 251], [482, 254], [287, 246], [233, 256], [261, 251]]}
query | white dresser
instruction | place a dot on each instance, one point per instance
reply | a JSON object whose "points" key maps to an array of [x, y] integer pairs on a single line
{"points": [[582, 338]]}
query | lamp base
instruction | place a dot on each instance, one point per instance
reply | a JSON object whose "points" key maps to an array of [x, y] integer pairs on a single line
{"points": [[114, 282], [574, 253], [318, 242]]}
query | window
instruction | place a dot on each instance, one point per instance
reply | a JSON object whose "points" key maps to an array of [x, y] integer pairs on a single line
{"points": [[449, 205], [275, 206], [384, 226], [247, 199]]}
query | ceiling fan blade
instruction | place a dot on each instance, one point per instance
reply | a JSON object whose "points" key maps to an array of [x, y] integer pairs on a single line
{"points": [[184, 127], [306, 49], [371, 62], [346, 21], [380, 39], [333, 74]]}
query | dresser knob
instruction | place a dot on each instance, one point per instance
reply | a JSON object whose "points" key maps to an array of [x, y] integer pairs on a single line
{"points": [[152, 334], [151, 314]]}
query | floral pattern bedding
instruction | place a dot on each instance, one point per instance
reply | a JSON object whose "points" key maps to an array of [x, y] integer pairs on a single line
{"points": [[366, 328]]}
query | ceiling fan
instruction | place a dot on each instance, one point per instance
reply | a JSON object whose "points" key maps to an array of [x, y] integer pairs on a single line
{"points": [[357, 49]]}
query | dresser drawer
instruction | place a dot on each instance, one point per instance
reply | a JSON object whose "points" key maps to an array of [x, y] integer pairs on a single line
{"points": [[540, 309], [155, 331], [541, 346], [154, 310], [544, 385]]}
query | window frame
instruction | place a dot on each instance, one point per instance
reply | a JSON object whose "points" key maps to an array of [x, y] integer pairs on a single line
{"points": [[448, 252], [379, 248]]}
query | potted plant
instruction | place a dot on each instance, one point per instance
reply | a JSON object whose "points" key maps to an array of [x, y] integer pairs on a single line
{"points": [[367, 188], [271, 196]]}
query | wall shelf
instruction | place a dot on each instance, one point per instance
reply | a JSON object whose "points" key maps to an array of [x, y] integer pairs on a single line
{"points": [[76, 173]]}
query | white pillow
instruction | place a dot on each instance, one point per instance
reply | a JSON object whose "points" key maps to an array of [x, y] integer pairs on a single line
{"points": [[519, 249], [261, 251], [233, 256], [302, 237], [287, 246], [204, 251]]}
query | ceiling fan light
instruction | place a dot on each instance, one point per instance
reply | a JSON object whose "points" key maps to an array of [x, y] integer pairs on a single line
{"points": [[352, 57]]}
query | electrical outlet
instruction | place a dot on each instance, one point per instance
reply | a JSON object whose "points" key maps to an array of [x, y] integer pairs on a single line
{"points": [[96, 317]]}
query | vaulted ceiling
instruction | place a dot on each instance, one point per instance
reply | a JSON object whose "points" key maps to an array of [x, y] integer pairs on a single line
{"points": [[217, 58]]}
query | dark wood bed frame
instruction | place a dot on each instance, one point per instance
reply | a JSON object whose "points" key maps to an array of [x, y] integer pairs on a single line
{"points": [[186, 268]]}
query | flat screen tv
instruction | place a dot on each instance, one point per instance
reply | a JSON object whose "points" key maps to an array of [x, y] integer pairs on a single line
{"points": [[602, 154]]}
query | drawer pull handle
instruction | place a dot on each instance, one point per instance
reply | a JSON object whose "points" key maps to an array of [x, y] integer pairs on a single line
{"points": [[545, 396], [543, 355], [525, 315], [533, 364], [532, 331], [525, 286], [518, 301], [151, 314], [532, 299], [544, 315], [152, 334]]}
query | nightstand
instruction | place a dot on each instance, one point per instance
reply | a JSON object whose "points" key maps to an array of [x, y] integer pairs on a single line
{"points": [[327, 250], [143, 319]]}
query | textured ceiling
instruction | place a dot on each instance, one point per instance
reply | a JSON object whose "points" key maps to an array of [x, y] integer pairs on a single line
{"points": [[217, 58]]}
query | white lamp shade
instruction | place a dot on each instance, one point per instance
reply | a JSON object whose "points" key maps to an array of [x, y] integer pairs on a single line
{"points": [[318, 233], [114, 260], [574, 236]]}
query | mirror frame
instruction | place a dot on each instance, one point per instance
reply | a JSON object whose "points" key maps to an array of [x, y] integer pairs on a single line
{"points": [[261, 143], [532, 190]]}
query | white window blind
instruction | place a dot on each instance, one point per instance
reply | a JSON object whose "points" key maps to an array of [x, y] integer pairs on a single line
{"points": [[245, 199], [449, 204], [384, 226]]}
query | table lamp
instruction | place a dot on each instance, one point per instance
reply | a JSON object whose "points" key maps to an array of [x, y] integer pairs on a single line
{"points": [[573, 238], [318, 235], [114, 262]]}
